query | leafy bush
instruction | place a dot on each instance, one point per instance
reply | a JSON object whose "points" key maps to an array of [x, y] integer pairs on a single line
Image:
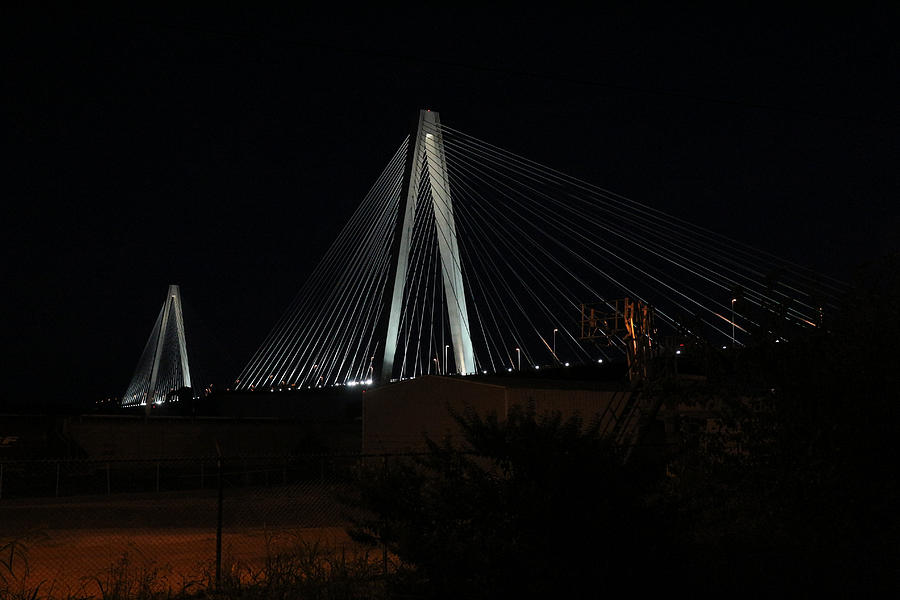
{"points": [[535, 506]]}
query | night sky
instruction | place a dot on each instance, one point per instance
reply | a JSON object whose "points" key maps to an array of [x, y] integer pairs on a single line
{"points": [[223, 152]]}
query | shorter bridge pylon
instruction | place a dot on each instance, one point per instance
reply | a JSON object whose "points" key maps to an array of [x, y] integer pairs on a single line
{"points": [[163, 368]]}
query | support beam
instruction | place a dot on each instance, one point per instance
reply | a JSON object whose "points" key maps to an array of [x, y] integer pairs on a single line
{"points": [[447, 244], [406, 217], [175, 293], [427, 147], [143, 387], [160, 342]]}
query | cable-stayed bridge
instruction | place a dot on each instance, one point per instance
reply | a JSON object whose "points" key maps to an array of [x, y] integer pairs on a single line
{"points": [[466, 258]]}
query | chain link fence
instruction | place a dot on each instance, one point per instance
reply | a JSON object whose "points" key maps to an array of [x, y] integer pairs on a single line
{"points": [[92, 528]]}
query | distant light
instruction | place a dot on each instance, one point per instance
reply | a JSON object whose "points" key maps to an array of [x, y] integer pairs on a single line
{"points": [[510, 369], [600, 360], [723, 347], [368, 382], [484, 372], [537, 367], [678, 352], [776, 341], [567, 364]]}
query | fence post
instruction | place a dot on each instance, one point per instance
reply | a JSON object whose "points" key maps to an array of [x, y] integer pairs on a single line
{"points": [[219, 462], [384, 552]]}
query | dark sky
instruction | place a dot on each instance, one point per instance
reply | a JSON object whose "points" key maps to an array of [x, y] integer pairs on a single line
{"points": [[224, 151]]}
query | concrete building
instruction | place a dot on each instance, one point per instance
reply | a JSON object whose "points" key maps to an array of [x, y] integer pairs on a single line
{"points": [[397, 417]]}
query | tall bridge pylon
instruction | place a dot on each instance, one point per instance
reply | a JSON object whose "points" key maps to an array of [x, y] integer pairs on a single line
{"points": [[163, 368], [426, 166]]}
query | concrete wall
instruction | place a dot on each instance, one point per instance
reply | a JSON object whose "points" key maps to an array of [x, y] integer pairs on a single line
{"points": [[396, 418]]}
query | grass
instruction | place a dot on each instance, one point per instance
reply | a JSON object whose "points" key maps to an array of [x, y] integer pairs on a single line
{"points": [[297, 569], [303, 569], [14, 570], [125, 580]]}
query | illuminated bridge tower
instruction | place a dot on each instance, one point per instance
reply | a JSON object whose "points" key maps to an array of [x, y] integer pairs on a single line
{"points": [[426, 166], [163, 367]]}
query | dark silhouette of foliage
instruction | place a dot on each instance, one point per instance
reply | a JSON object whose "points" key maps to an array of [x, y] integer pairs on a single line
{"points": [[785, 483], [535, 506], [798, 488]]}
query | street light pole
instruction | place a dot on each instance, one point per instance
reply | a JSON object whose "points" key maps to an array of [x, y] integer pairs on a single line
{"points": [[554, 344], [519, 354], [733, 300]]}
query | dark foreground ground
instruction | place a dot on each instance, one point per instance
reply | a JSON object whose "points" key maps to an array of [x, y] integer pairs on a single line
{"points": [[82, 545]]}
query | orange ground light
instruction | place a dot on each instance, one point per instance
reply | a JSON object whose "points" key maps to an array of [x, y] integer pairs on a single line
{"points": [[70, 561], [80, 546]]}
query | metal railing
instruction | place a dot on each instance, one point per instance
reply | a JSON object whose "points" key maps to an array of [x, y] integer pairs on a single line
{"points": [[84, 525]]}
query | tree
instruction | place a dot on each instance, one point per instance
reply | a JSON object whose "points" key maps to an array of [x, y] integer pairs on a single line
{"points": [[795, 491], [809, 500]]}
